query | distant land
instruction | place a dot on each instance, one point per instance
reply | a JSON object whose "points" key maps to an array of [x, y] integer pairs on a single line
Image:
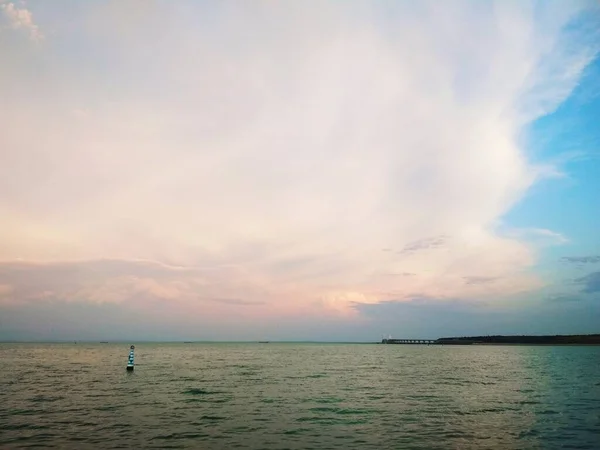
{"points": [[574, 339]]}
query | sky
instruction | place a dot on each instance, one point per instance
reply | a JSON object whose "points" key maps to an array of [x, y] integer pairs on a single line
{"points": [[338, 171]]}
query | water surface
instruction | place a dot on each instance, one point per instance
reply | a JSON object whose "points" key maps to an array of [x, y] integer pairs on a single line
{"points": [[275, 396]]}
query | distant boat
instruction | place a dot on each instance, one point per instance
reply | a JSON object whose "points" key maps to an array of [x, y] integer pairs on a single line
{"points": [[263, 342]]}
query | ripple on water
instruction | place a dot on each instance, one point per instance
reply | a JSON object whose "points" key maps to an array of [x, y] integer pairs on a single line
{"points": [[213, 418], [328, 400], [324, 420], [200, 391], [177, 436], [297, 431], [340, 411]]}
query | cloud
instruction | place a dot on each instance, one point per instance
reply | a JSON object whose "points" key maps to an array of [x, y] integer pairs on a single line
{"points": [[270, 152], [402, 274], [417, 318], [537, 236], [562, 298], [424, 244], [581, 259], [5, 290], [591, 282], [118, 281], [424, 317], [479, 280], [235, 301], [21, 18]]}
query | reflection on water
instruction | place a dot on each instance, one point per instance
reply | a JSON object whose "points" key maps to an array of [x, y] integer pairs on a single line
{"points": [[299, 396]]}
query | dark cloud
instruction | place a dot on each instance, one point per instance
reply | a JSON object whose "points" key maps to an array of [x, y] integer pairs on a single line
{"points": [[424, 317], [564, 298], [415, 303], [581, 259], [591, 282], [424, 244], [420, 317], [479, 280], [59, 320]]}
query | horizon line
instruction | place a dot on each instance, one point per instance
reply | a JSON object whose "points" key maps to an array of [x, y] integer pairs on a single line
{"points": [[283, 341]]}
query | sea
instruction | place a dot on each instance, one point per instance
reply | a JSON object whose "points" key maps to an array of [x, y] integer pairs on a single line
{"points": [[299, 396]]}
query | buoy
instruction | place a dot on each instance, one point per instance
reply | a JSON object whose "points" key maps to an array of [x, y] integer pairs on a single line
{"points": [[130, 362]]}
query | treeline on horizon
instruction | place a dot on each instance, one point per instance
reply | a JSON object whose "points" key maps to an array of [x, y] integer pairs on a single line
{"points": [[524, 339]]}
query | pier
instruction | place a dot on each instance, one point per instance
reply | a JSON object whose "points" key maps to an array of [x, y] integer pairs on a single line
{"points": [[410, 341], [441, 341]]}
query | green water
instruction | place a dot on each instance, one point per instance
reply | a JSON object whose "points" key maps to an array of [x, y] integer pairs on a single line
{"points": [[318, 396]]}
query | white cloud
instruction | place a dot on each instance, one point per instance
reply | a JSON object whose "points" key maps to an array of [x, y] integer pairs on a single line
{"points": [[289, 143], [21, 18], [537, 236]]}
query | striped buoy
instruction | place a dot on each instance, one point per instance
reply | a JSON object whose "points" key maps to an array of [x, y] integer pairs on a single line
{"points": [[130, 362]]}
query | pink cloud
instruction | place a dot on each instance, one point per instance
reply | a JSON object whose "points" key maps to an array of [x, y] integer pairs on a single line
{"points": [[21, 18]]}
